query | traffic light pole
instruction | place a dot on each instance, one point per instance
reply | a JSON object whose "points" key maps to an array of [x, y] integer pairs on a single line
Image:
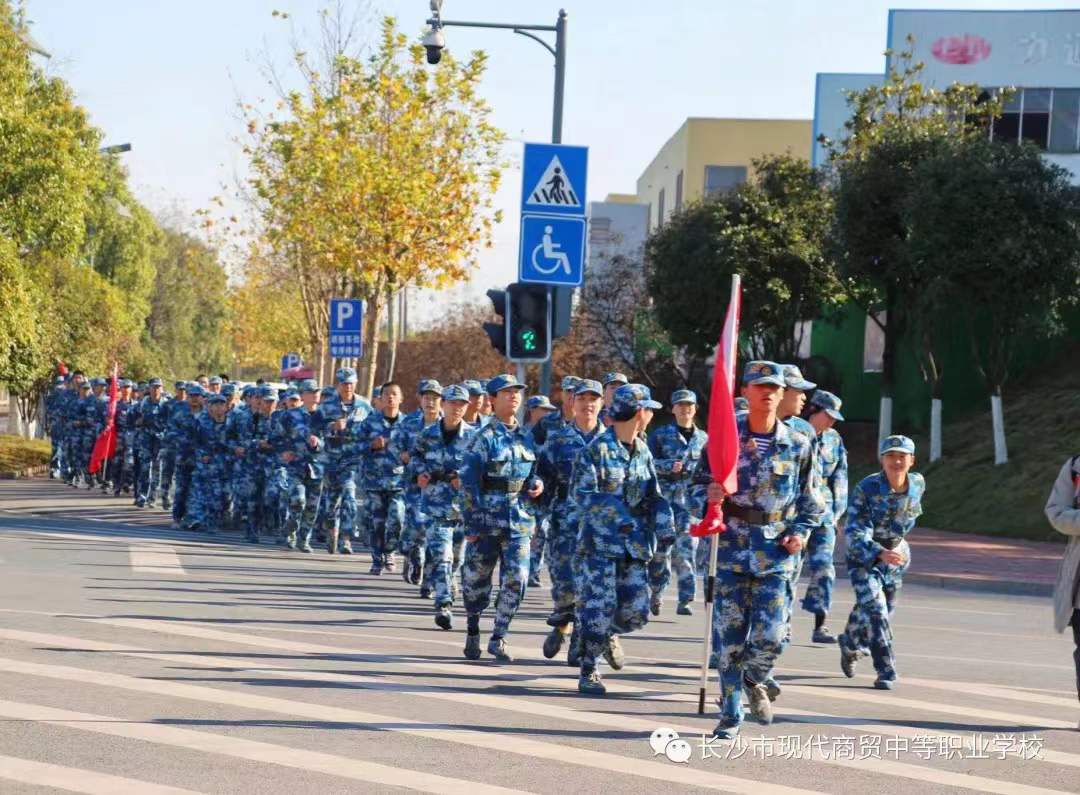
{"points": [[559, 51]]}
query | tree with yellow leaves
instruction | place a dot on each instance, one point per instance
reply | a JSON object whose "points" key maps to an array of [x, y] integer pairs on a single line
{"points": [[379, 174]]}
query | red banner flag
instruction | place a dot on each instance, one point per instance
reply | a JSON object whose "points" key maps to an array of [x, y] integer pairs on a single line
{"points": [[61, 368], [105, 446], [723, 447]]}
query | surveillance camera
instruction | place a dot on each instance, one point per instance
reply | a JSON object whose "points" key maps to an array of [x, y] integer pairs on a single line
{"points": [[434, 42]]}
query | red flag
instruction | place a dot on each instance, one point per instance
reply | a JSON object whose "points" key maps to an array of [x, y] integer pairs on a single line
{"points": [[61, 368], [105, 446], [723, 447]]}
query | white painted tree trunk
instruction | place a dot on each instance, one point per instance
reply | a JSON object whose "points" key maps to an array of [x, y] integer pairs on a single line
{"points": [[1001, 453], [935, 429], [884, 420]]}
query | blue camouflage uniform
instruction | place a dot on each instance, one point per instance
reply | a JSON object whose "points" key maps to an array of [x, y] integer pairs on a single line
{"points": [[181, 435], [670, 445], [305, 469], [123, 463], [383, 481], [54, 402], [557, 457], [622, 516], [777, 496], [411, 542], [339, 519], [878, 519], [499, 469], [439, 454], [168, 451], [85, 424], [618, 379], [69, 437], [831, 459], [208, 502], [149, 431]]}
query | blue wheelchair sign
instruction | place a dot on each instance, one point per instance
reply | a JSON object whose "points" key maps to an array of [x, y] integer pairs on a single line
{"points": [[552, 250]]}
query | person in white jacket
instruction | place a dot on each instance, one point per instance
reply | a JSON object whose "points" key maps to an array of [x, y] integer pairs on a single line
{"points": [[1063, 511]]}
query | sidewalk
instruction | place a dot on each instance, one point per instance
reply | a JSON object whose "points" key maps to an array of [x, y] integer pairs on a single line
{"points": [[978, 563]]}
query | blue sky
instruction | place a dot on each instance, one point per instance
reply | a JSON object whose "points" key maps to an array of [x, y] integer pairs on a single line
{"points": [[165, 76]]}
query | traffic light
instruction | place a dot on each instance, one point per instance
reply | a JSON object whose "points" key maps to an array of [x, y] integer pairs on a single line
{"points": [[497, 331], [528, 319]]}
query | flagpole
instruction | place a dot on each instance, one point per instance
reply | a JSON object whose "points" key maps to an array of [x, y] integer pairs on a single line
{"points": [[728, 361]]}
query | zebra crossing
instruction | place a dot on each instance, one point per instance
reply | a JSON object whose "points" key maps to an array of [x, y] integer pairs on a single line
{"points": [[141, 660]]}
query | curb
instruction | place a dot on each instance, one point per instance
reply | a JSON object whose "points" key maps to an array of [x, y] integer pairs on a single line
{"points": [[20, 474], [952, 582]]}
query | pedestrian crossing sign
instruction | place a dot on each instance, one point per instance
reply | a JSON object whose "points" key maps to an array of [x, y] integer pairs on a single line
{"points": [[554, 189], [553, 179]]}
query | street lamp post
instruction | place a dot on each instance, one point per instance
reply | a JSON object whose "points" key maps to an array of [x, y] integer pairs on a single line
{"points": [[434, 44]]}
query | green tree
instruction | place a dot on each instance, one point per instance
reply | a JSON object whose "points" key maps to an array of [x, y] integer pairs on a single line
{"points": [[1002, 225], [893, 128], [773, 232]]}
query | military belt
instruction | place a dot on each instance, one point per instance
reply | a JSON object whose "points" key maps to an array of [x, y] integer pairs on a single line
{"points": [[441, 477], [502, 485], [892, 542], [754, 516], [672, 476]]}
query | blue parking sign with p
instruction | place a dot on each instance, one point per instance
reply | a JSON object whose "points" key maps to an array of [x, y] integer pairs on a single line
{"points": [[346, 327]]}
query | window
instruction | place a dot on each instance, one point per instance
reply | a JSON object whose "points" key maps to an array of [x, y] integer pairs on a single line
{"points": [[1027, 114], [1065, 120], [721, 179], [678, 192], [660, 209]]}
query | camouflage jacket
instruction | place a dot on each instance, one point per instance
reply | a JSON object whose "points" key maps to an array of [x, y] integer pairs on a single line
{"points": [[499, 467], [382, 470], [431, 455], [879, 518], [668, 446]]}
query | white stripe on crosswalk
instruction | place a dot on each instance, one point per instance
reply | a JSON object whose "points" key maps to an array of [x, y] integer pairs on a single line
{"points": [[239, 748], [506, 743], [156, 559], [514, 704], [71, 779]]}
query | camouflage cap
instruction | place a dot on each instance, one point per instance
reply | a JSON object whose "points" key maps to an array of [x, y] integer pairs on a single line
{"points": [[267, 392], [195, 390], [216, 379], [793, 378], [248, 391], [228, 390], [291, 392], [346, 375], [569, 383], [827, 402], [154, 382], [540, 402], [308, 385], [501, 382], [455, 392], [427, 385], [84, 385], [217, 398], [474, 387], [615, 378], [587, 386], [180, 385], [98, 382], [629, 398], [328, 392], [762, 372], [897, 444], [683, 396]]}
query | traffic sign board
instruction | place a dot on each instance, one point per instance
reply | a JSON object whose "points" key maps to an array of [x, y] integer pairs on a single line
{"points": [[290, 361], [553, 179], [552, 250], [346, 327]]}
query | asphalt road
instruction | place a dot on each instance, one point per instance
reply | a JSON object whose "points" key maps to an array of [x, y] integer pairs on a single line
{"points": [[134, 659]]}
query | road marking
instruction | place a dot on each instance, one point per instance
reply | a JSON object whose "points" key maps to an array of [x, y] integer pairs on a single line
{"points": [[73, 779], [239, 748], [516, 704], [156, 559], [505, 742]]}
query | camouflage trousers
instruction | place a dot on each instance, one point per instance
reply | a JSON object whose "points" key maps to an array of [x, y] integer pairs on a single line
{"points": [[562, 549], [305, 494], [384, 511], [818, 556], [868, 626], [445, 552], [509, 548], [749, 627], [209, 498], [411, 542], [149, 452], [682, 556], [613, 600], [249, 479], [339, 501], [539, 545], [182, 493], [168, 471], [276, 499]]}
